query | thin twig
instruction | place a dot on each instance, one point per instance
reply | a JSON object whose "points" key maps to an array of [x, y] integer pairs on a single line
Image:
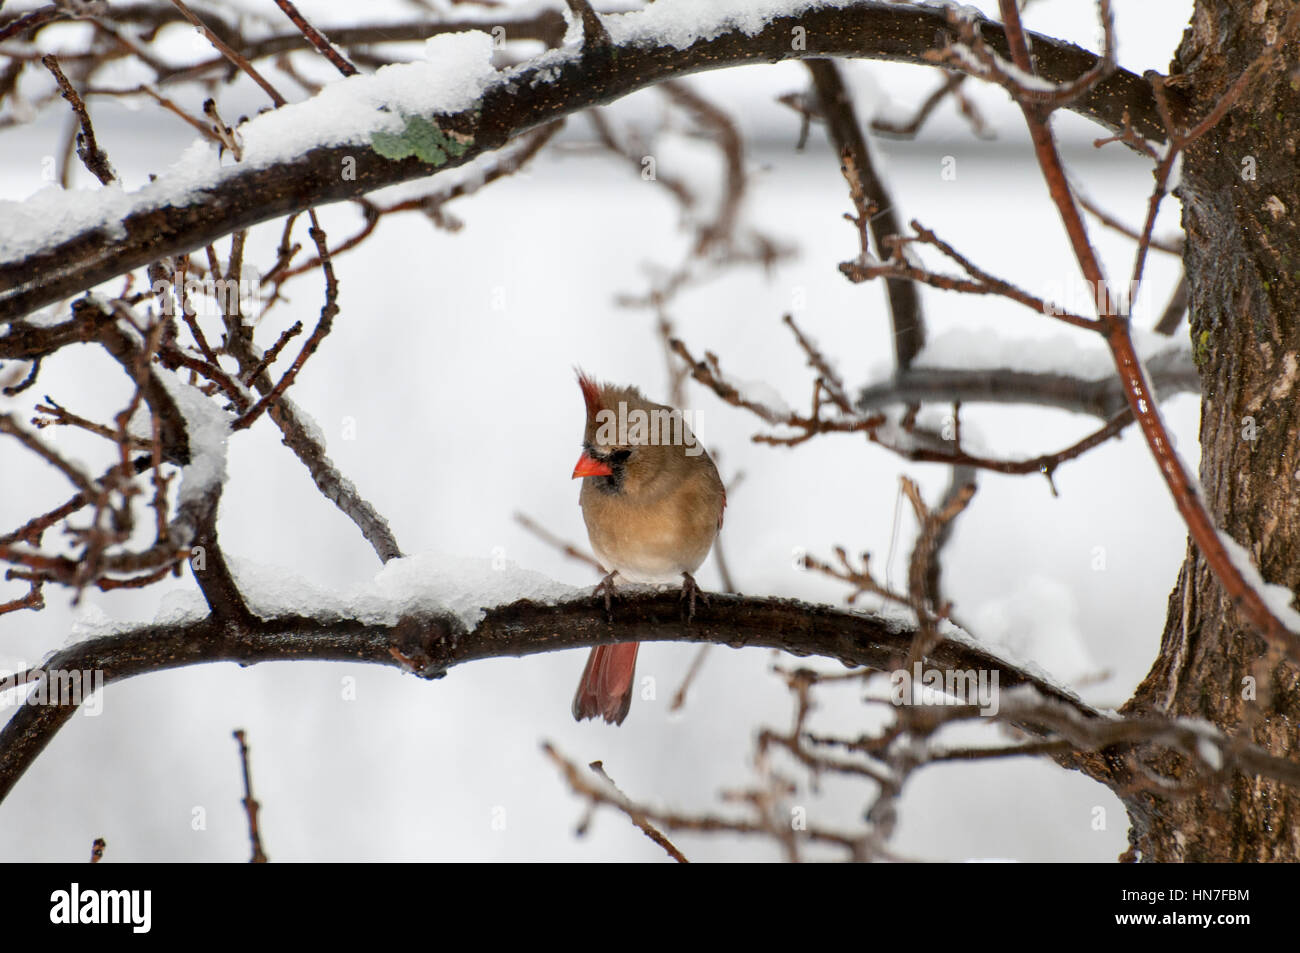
{"points": [[229, 52], [92, 156], [317, 39], [650, 831], [251, 807]]}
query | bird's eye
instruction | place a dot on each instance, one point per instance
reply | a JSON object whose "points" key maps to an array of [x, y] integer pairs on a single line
{"points": [[620, 456]]}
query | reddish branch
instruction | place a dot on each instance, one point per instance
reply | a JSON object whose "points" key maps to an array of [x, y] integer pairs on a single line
{"points": [[251, 807], [317, 39], [1116, 329], [980, 58], [229, 52], [611, 794], [33, 600], [1045, 464]]}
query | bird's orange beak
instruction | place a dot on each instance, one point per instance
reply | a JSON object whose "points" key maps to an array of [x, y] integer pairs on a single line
{"points": [[589, 467]]}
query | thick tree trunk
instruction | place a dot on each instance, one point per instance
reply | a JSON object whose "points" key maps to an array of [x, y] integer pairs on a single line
{"points": [[1241, 209]]}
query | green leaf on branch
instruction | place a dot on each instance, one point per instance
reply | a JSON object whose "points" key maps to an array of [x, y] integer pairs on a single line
{"points": [[423, 139]]}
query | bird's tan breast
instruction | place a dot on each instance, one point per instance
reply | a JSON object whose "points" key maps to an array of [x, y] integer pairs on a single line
{"points": [[655, 539]]}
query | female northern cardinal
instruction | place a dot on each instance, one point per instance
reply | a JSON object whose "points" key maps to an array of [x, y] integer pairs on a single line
{"points": [[653, 503]]}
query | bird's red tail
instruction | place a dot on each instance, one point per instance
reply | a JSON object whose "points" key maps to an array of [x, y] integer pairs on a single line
{"points": [[607, 683]]}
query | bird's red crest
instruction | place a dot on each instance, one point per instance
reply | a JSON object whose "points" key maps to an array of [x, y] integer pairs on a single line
{"points": [[590, 393]]}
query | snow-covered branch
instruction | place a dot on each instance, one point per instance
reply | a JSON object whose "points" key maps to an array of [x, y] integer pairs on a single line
{"points": [[401, 624], [409, 120]]}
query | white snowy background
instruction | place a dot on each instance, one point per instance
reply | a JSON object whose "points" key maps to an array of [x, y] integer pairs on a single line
{"points": [[446, 393]]}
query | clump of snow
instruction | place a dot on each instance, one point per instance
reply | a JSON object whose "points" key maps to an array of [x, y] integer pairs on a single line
{"points": [[179, 606], [963, 10], [207, 428], [305, 420], [458, 67], [277, 590], [762, 393], [425, 583], [542, 77], [680, 23], [543, 68], [574, 30], [422, 584], [1277, 598], [89, 621], [1209, 753], [459, 584], [54, 214], [1175, 173]]}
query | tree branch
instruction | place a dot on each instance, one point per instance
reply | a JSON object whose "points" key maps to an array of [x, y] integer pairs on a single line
{"points": [[429, 645], [521, 100], [1171, 372], [878, 211]]}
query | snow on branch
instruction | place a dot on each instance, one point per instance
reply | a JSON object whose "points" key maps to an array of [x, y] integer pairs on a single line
{"points": [[405, 121], [406, 627]]}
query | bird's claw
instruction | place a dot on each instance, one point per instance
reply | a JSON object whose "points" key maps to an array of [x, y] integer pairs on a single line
{"points": [[691, 591], [606, 586]]}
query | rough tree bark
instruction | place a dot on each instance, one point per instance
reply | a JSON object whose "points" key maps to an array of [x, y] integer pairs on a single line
{"points": [[1241, 194]]}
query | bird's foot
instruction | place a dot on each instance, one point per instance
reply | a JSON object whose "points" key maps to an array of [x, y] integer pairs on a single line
{"points": [[691, 591], [606, 586]]}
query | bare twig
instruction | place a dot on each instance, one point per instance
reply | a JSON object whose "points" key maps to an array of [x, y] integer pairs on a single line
{"points": [[251, 807], [639, 820], [229, 52], [639, 813], [951, 86], [317, 39], [323, 326], [88, 148]]}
